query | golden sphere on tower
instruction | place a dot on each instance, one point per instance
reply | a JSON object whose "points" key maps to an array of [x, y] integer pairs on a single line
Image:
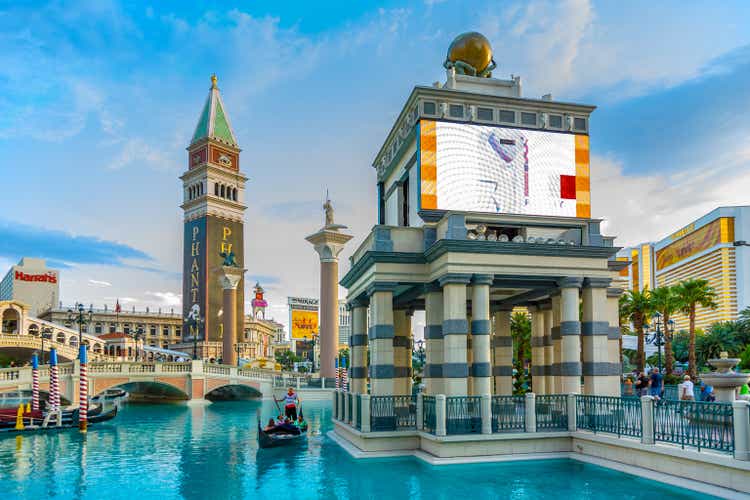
{"points": [[471, 54]]}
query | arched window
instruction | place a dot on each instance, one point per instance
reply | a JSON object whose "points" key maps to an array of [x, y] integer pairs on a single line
{"points": [[60, 337], [223, 191], [234, 194], [34, 330], [216, 189]]}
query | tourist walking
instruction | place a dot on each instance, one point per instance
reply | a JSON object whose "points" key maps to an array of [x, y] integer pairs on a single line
{"points": [[656, 384]]}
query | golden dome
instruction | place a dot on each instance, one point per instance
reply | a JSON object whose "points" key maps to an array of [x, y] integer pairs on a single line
{"points": [[471, 54]]}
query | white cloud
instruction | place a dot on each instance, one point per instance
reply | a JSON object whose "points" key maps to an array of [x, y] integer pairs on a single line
{"points": [[639, 208], [100, 283], [167, 298]]}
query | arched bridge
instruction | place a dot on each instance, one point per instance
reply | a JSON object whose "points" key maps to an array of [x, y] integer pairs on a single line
{"points": [[192, 380]]}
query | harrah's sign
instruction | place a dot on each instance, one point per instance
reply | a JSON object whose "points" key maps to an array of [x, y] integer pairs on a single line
{"points": [[45, 278]]}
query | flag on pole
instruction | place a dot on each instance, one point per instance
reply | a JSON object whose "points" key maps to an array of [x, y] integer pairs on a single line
{"points": [[118, 308]]}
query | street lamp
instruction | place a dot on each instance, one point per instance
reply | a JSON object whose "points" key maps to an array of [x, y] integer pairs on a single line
{"points": [[420, 353], [46, 334], [80, 316], [659, 337], [237, 349]]}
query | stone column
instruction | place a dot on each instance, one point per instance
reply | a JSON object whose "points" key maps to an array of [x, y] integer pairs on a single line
{"points": [[402, 352], [455, 330], [433, 336], [548, 354], [556, 345], [600, 377], [380, 335], [329, 242], [614, 355], [358, 346], [538, 380], [502, 368], [570, 335], [229, 278], [481, 366]]}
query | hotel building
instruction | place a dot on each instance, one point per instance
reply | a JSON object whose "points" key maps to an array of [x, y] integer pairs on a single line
{"points": [[713, 247]]}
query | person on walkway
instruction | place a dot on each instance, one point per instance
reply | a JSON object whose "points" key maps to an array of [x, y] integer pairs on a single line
{"points": [[656, 384], [710, 396], [641, 384], [687, 389], [291, 400]]}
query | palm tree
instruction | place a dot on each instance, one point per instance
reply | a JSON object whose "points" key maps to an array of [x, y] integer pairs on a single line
{"points": [[690, 293], [721, 337], [636, 307], [664, 301]]}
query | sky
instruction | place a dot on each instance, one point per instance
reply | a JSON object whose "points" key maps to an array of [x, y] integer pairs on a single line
{"points": [[99, 100]]}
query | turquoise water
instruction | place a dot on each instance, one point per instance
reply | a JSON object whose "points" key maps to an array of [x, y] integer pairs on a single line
{"points": [[171, 451]]}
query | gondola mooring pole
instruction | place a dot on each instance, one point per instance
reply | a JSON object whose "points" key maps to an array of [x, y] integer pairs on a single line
{"points": [[54, 387], [83, 390], [34, 382]]}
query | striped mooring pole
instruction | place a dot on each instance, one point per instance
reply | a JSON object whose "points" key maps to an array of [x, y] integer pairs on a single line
{"points": [[34, 382], [83, 391], [54, 383]]}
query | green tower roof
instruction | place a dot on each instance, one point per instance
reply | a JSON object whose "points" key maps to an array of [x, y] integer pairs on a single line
{"points": [[214, 122]]}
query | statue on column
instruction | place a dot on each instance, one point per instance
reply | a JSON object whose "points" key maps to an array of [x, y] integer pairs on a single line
{"points": [[328, 207]]}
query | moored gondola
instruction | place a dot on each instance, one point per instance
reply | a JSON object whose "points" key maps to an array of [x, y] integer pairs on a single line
{"points": [[34, 421]]}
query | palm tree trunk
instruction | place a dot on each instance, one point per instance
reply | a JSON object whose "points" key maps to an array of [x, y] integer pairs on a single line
{"points": [[692, 369], [668, 354], [641, 345]]}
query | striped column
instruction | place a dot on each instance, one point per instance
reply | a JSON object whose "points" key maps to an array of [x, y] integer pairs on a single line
{"points": [[402, 352], [549, 385], [597, 371], [54, 382], [433, 336], [538, 380], [83, 391], [614, 351], [34, 382], [358, 345], [380, 336], [481, 367], [502, 343], [455, 331], [556, 344], [570, 335]]}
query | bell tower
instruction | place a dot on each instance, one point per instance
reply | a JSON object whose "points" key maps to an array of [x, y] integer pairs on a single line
{"points": [[213, 206]]}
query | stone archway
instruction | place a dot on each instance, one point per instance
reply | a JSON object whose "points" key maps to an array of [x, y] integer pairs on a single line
{"points": [[11, 321]]}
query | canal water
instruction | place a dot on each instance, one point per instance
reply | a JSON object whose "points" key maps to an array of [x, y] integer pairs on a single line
{"points": [[210, 452]]}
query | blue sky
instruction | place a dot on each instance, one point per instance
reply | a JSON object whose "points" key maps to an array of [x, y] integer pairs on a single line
{"points": [[100, 99]]}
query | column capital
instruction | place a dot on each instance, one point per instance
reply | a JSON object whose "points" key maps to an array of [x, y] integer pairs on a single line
{"points": [[596, 282], [457, 278], [482, 279], [570, 282], [358, 302], [614, 292], [230, 277], [380, 286]]}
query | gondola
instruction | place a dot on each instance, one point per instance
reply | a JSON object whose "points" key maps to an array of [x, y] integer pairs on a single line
{"points": [[33, 420], [266, 440]]}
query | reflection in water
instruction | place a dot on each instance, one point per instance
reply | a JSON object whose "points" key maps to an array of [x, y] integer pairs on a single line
{"points": [[210, 452]]}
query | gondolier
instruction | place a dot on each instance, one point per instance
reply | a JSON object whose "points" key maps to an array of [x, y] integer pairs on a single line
{"points": [[291, 400]]}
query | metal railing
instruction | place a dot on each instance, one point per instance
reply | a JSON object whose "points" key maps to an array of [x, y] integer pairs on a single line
{"points": [[610, 414], [348, 398], [551, 412], [429, 418], [463, 415], [391, 413], [508, 414], [698, 424]]}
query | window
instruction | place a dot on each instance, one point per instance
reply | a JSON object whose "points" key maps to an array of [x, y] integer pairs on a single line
{"points": [[381, 204], [555, 121], [507, 116], [165, 331], [405, 203], [112, 328], [528, 118], [223, 191], [216, 189], [152, 331], [98, 328], [234, 194], [579, 123], [178, 331], [456, 111], [485, 114], [429, 108], [126, 328]]}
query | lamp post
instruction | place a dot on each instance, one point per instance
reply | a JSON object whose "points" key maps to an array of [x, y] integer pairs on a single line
{"points": [[420, 353], [46, 334], [237, 349], [659, 336], [80, 316], [195, 321]]}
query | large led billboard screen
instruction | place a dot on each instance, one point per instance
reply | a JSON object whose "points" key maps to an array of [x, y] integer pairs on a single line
{"points": [[481, 168]]}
